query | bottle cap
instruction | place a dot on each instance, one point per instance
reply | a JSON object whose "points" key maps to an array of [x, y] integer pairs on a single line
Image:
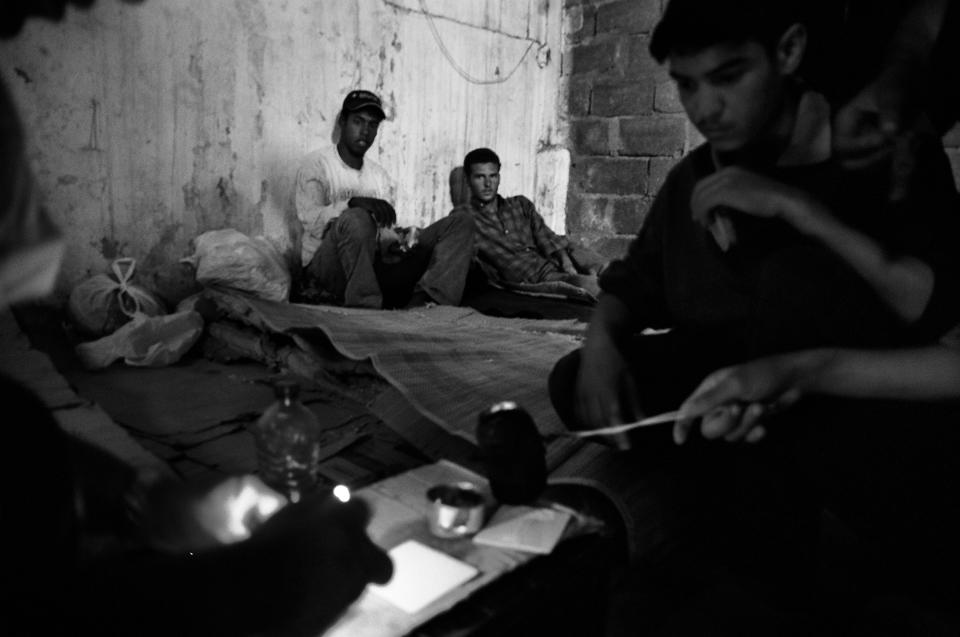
{"points": [[286, 388], [505, 405]]}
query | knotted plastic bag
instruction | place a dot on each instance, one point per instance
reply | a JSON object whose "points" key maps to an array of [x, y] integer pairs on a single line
{"points": [[102, 303], [230, 259], [145, 341]]}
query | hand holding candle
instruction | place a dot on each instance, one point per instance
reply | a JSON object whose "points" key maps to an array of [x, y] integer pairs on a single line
{"points": [[185, 517]]}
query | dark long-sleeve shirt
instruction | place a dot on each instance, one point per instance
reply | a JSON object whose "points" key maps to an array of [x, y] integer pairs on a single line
{"points": [[778, 290]]}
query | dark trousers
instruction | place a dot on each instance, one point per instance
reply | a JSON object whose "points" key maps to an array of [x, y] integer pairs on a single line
{"points": [[348, 266]]}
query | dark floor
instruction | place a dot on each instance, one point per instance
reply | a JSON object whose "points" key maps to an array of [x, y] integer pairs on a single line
{"points": [[196, 414]]}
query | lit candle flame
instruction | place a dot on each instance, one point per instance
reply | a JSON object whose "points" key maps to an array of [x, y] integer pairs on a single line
{"points": [[253, 504]]}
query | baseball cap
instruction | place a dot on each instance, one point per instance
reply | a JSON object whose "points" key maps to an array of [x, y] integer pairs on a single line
{"points": [[356, 100]]}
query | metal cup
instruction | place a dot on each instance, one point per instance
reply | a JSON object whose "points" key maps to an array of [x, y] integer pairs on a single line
{"points": [[456, 509]]}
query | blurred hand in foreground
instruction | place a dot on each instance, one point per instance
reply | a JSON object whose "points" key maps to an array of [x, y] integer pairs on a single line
{"points": [[321, 557], [176, 516]]}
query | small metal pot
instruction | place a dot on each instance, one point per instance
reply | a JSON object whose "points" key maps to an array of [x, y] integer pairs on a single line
{"points": [[456, 509]]}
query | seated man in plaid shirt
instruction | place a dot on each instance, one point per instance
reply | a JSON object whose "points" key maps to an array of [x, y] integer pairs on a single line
{"points": [[513, 243]]}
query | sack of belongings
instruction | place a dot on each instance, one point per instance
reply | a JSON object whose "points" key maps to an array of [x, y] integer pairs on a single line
{"points": [[102, 303], [230, 259], [145, 341]]}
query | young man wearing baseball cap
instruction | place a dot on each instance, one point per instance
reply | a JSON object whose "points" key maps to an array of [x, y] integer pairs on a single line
{"points": [[344, 201]]}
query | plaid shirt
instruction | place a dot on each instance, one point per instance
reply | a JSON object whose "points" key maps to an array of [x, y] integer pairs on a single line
{"points": [[514, 240]]}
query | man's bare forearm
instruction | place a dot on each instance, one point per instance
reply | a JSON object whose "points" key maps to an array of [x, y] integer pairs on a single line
{"points": [[904, 283], [928, 373]]}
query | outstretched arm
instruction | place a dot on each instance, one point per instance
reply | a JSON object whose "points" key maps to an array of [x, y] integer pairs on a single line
{"points": [[733, 401]]}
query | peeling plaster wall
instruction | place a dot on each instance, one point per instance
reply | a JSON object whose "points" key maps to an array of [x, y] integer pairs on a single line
{"points": [[150, 124]]}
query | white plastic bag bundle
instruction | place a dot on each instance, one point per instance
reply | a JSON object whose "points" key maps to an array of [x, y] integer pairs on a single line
{"points": [[101, 304], [145, 341], [230, 259]]}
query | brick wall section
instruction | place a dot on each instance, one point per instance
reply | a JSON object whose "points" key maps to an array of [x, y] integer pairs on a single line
{"points": [[626, 125]]}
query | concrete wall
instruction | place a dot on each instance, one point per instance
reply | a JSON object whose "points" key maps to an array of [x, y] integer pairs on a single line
{"points": [[151, 124], [627, 127]]}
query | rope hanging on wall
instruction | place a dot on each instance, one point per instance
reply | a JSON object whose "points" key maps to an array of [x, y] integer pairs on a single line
{"points": [[542, 52]]}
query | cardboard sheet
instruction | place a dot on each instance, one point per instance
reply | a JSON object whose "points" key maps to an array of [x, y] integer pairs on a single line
{"points": [[523, 528]]}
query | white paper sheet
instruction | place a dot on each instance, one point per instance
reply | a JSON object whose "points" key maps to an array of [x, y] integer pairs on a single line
{"points": [[421, 575]]}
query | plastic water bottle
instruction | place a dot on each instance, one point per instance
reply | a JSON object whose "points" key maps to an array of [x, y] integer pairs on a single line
{"points": [[287, 438]]}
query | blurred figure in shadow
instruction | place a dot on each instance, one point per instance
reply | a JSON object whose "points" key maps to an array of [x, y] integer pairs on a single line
{"points": [[891, 68], [896, 75], [760, 241], [96, 548]]}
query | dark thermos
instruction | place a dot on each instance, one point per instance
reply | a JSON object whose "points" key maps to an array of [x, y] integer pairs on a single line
{"points": [[512, 452]]}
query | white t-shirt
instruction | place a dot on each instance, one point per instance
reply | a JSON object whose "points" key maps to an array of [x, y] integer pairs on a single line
{"points": [[324, 185]]}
